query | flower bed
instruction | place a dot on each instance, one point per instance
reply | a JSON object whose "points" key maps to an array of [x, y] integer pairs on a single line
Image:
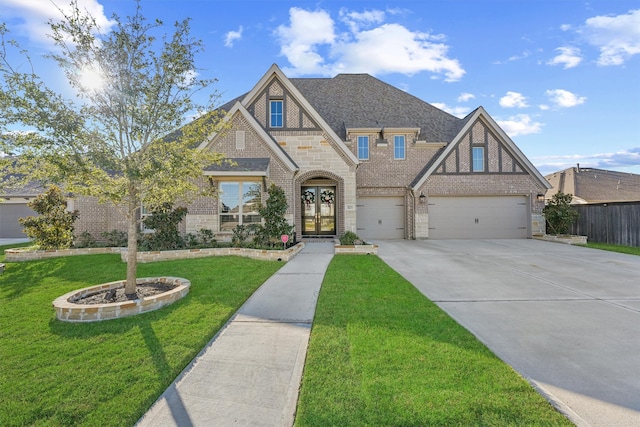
{"points": [[69, 311]]}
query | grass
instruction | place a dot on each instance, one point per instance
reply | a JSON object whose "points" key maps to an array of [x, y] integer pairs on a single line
{"points": [[615, 248], [108, 373], [381, 354]]}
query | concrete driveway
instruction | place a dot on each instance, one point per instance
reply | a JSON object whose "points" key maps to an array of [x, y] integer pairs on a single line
{"points": [[566, 318]]}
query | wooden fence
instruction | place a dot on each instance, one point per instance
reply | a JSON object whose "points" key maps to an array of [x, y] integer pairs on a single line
{"points": [[615, 223]]}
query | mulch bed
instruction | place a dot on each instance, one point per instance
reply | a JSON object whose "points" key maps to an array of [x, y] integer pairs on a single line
{"points": [[118, 295]]}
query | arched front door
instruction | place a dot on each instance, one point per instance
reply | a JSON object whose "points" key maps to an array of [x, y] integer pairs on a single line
{"points": [[318, 210]]}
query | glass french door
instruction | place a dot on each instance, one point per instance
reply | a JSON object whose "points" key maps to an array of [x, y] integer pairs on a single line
{"points": [[318, 210]]}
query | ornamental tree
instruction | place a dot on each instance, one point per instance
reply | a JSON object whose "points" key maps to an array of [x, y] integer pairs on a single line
{"points": [[559, 213], [53, 227], [134, 85]]}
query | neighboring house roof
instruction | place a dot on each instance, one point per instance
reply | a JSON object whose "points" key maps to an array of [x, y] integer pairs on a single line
{"points": [[590, 185]]}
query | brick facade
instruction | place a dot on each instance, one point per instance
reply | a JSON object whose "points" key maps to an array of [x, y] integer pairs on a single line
{"points": [[304, 149]]}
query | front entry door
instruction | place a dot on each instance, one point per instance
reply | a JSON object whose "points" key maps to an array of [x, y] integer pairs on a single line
{"points": [[318, 210]]}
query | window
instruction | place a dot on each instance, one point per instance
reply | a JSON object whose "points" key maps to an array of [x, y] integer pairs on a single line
{"points": [[363, 147], [238, 204], [477, 154], [398, 147], [275, 111]]}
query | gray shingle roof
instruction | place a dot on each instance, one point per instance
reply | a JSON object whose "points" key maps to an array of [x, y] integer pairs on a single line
{"points": [[362, 101], [241, 164], [595, 185]]}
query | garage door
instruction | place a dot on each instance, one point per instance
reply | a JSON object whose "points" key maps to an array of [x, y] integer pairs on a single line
{"points": [[478, 217], [10, 228], [380, 217]]}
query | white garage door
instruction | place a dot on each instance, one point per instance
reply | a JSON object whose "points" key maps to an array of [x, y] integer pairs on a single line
{"points": [[478, 217], [380, 217], [10, 228]]}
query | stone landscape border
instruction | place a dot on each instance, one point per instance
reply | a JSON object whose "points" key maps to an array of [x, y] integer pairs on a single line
{"points": [[356, 249], [22, 254], [68, 311], [568, 239], [26, 254], [270, 255]]}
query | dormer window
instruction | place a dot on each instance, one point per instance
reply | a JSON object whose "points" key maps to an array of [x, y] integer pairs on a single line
{"points": [[276, 113]]}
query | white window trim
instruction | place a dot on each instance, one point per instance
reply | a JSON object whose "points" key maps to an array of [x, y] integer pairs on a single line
{"points": [[358, 147], [404, 147]]}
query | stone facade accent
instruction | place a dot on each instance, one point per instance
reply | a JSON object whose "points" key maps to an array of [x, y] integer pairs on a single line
{"points": [[68, 311]]}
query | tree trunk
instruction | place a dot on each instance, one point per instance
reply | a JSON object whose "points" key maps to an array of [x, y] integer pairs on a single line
{"points": [[132, 244]]}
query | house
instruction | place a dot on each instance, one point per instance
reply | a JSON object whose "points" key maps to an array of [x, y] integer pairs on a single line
{"points": [[13, 207], [590, 185], [353, 153]]}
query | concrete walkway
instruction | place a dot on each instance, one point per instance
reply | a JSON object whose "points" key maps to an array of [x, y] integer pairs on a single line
{"points": [[249, 374]]}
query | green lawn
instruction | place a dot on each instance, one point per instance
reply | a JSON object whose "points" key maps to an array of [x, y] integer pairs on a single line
{"points": [[615, 248], [109, 373], [381, 354]]}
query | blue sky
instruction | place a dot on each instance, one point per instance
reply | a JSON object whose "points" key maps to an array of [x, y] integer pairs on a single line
{"points": [[561, 77]]}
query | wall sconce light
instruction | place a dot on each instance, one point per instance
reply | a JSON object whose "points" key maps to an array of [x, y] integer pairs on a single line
{"points": [[541, 197], [422, 197]]}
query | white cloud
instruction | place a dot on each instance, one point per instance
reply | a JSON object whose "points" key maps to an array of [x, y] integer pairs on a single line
{"points": [[617, 37], [464, 97], [34, 15], [513, 100], [459, 112], [521, 124], [564, 98], [301, 39], [569, 57], [380, 49], [356, 20], [232, 36]]}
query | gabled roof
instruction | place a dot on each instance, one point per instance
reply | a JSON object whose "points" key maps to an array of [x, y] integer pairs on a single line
{"points": [[238, 108], [590, 185], [478, 114], [362, 101], [274, 70]]}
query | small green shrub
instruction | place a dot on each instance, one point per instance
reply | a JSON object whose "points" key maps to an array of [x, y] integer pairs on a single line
{"points": [[114, 238], [53, 227], [86, 240], [240, 236], [164, 221], [350, 238], [559, 213]]}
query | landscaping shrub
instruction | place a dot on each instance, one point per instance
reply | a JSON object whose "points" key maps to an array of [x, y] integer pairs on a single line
{"points": [[350, 238], [53, 227], [164, 221], [275, 224], [559, 213]]}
